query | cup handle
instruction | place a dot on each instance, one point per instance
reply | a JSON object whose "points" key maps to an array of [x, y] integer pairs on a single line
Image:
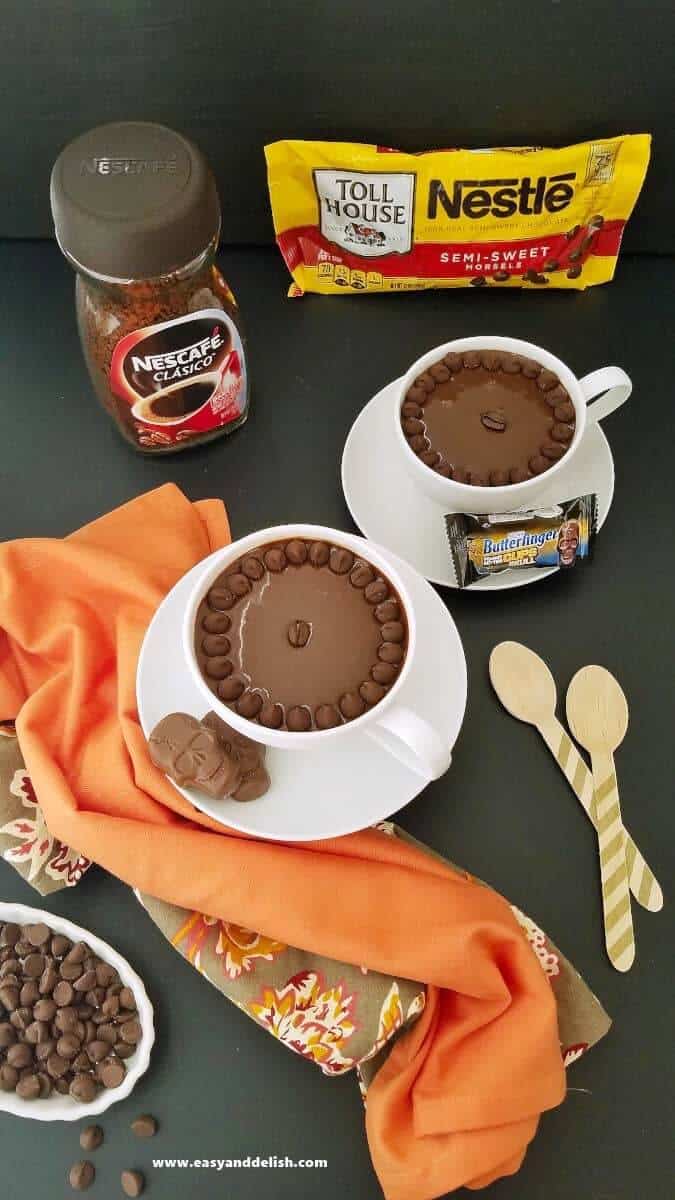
{"points": [[411, 740], [613, 387]]}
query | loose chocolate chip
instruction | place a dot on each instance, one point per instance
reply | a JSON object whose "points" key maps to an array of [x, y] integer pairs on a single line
{"points": [[9, 996], [494, 420], [412, 425], [91, 1137], [83, 1088], [371, 692], [478, 281], [538, 464], [216, 622], [319, 553], [82, 1062], [249, 705], [122, 1050], [384, 672], [387, 611], [57, 1065], [28, 1088], [275, 560], [133, 1183], [9, 1077], [351, 706], [393, 631], [238, 584], [551, 264], [299, 632], [552, 450], [574, 272], [298, 718], [471, 359], [430, 457], [44, 1049], [296, 552], [572, 233], [10, 966], [439, 372], [326, 716], [81, 1176], [410, 409], [70, 970], [453, 361], [68, 1046], [98, 1050], [106, 975], [48, 981], [562, 433], [501, 276], [111, 1072], [216, 644], [87, 980], [218, 667], [575, 255], [60, 945], [390, 652], [361, 575], [340, 560], [442, 468], [19, 1056], [232, 688], [547, 380], [144, 1126], [518, 474], [38, 934], [7, 1035], [512, 364], [10, 934], [34, 965], [271, 715], [377, 591], [30, 993], [62, 1086], [564, 412], [499, 478], [37, 1031], [108, 1032], [22, 1017]]}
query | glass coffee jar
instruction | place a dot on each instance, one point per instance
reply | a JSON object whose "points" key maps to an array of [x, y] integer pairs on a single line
{"points": [[136, 212]]}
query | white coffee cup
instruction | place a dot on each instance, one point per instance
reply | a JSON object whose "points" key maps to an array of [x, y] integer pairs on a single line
{"points": [[611, 384], [390, 722]]}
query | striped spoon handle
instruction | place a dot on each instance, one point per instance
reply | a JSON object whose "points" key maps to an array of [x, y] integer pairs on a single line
{"points": [[619, 937], [643, 884]]}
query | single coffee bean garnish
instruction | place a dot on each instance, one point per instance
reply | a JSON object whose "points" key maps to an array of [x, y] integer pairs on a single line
{"points": [[299, 633], [495, 420]]}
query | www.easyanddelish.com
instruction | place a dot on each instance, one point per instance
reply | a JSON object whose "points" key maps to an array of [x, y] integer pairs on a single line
{"points": [[231, 1164]]}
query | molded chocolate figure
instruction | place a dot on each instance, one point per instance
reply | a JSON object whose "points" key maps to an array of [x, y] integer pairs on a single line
{"points": [[209, 756]]}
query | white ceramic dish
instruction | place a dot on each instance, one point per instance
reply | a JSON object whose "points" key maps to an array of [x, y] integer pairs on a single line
{"points": [[397, 514], [594, 397], [343, 784], [64, 1108]]}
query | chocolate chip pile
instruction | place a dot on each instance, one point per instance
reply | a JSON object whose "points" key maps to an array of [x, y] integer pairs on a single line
{"points": [[318, 636], [488, 418], [67, 1022], [578, 244]]}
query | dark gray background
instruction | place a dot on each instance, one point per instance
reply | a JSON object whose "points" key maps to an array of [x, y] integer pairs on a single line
{"points": [[219, 1085], [235, 75]]}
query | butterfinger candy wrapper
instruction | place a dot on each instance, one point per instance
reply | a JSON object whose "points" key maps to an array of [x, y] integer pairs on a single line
{"points": [[363, 218], [561, 535]]}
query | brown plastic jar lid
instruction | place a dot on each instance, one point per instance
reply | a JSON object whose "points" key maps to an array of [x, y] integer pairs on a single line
{"points": [[133, 200]]}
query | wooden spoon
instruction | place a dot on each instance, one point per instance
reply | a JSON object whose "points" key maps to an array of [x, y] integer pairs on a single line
{"points": [[527, 690], [597, 714]]}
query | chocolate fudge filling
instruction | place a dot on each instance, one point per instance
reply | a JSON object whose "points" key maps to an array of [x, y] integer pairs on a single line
{"points": [[301, 635], [488, 418]]}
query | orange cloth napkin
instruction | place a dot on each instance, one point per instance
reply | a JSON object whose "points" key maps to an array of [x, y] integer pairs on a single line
{"points": [[459, 1097]]}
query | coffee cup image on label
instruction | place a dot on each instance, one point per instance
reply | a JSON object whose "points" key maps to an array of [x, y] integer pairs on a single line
{"points": [[168, 373], [369, 214]]}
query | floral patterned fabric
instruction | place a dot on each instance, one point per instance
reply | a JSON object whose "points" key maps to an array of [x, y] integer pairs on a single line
{"points": [[25, 842]]}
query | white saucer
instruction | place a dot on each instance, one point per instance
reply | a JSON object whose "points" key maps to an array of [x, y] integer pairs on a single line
{"points": [[340, 788], [390, 510]]}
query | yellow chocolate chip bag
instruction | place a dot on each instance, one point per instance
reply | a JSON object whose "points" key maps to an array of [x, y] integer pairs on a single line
{"points": [[359, 218]]}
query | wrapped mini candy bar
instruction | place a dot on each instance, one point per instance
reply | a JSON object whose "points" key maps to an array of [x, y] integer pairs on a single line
{"points": [[365, 218], [561, 535]]}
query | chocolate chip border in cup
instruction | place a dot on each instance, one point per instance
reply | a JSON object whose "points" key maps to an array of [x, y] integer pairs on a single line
{"points": [[387, 720], [458, 496], [64, 1107]]}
